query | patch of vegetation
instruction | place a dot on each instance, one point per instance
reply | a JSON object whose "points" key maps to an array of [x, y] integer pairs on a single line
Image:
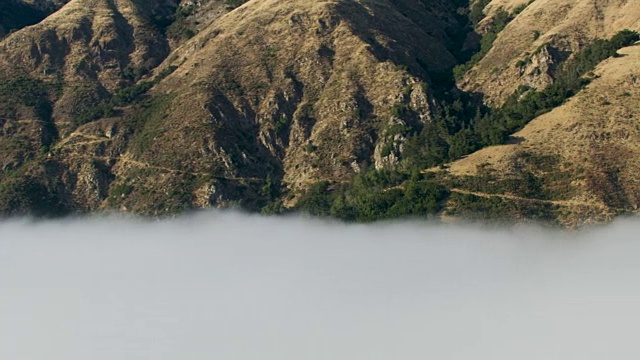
{"points": [[522, 183], [476, 12], [375, 195], [536, 34], [124, 97], [34, 93], [448, 136], [400, 110], [281, 125], [175, 25], [180, 28], [24, 195], [526, 104], [387, 149], [30, 92], [604, 179], [146, 122], [395, 129], [500, 21], [497, 209], [309, 148], [232, 4], [118, 192], [462, 124]]}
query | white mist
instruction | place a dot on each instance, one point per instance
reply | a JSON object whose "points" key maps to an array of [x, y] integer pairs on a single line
{"points": [[234, 287]]}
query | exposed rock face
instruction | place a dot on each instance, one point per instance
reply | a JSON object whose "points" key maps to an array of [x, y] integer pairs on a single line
{"points": [[538, 70]]}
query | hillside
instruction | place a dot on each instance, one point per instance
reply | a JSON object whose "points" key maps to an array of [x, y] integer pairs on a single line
{"points": [[542, 34], [334, 107], [584, 153], [275, 94]]}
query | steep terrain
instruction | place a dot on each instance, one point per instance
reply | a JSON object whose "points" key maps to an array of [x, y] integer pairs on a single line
{"points": [[52, 72], [335, 107], [584, 153], [542, 35], [263, 101]]}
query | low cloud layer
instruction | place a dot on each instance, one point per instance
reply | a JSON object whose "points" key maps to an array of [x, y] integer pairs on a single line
{"points": [[228, 286]]}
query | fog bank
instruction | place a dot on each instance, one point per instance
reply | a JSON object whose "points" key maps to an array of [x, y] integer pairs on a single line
{"points": [[228, 286]]}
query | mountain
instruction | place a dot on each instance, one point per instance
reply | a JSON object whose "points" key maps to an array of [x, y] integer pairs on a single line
{"points": [[333, 107], [119, 115]]}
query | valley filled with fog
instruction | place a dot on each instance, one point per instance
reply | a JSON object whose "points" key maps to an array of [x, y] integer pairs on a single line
{"points": [[232, 286]]}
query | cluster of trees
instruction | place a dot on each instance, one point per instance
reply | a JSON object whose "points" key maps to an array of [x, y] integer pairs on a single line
{"points": [[375, 195], [178, 27], [21, 194], [526, 104], [500, 21], [463, 124]]}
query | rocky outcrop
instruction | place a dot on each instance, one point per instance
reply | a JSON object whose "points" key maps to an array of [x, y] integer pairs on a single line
{"points": [[537, 71]]}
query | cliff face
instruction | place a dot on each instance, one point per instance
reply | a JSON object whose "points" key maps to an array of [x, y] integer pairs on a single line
{"points": [[271, 94]]}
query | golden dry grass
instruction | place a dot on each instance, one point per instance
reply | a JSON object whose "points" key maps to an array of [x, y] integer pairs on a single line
{"points": [[567, 25], [595, 132]]}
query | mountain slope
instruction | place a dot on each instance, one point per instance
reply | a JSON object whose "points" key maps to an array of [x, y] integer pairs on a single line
{"points": [[282, 94], [584, 152], [333, 107], [542, 35], [261, 102]]}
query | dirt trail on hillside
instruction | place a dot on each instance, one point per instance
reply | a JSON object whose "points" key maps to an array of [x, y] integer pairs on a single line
{"points": [[126, 159], [567, 203]]}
